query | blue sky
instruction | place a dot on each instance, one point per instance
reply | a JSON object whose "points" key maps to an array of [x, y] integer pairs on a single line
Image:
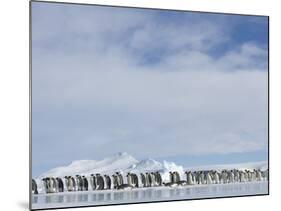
{"points": [[186, 87]]}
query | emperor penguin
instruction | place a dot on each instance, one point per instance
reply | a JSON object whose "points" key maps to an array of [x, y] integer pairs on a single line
{"points": [[49, 185], [231, 176], [45, 185], [93, 182], [135, 180], [171, 176], [107, 181], [60, 187], [258, 174], [69, 184], [85, 183], [132, 179], [209, 178], [220, 176], [189, 178], [224, 176], [129, 179], [172, 182], [201, 178], [195, 177], [247, 175], [216, 177], [154, 176], [176, 176], [177, 179], [66, 183], [143, 180], [52, 185], [158, 178], [153, 179], [100, 182], [198, 177], [265, 175], [120, 178], [236, 175], [79, 182], [242, 176], [74, 183], [34, 187], [253, 175], [115, 181], [148, 179]]}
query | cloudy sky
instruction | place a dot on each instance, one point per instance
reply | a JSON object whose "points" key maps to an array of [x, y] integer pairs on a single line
{"points": [[181, 86]]}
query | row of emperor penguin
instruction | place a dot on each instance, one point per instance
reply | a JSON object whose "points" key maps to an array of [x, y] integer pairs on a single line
{"points": [[225, 176], [119, 181]]}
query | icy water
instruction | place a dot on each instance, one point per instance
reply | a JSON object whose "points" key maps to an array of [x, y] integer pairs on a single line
{"points": [[86, 198]]}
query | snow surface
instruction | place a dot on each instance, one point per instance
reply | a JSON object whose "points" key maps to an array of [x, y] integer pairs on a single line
{"points": [[102, 197]]}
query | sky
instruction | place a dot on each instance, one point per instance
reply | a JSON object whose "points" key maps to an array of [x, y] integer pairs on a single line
{"points": [[187, 87]]}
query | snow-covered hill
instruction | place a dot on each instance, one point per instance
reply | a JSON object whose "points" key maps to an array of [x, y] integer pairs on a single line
{"points": [[123, 162], [118, 162]]}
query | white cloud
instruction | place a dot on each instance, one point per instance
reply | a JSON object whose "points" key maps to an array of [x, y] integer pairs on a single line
{"points": [[191, 35], [248, 56], [189, 103]]}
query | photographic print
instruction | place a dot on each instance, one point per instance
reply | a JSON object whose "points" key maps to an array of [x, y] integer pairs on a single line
{"points": [[135, 105]]}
